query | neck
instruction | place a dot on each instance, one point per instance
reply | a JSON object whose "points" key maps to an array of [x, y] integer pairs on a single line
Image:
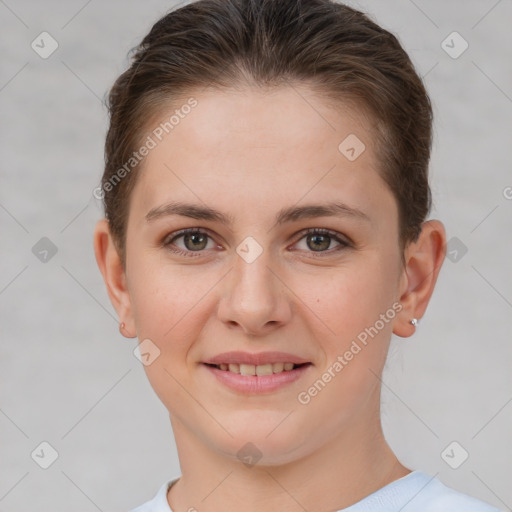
{"points": [[332, 477]]}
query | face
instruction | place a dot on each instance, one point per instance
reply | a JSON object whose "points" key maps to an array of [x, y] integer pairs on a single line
{"points": [[276, 268]]}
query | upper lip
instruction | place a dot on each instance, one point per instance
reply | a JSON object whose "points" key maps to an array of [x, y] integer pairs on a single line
{"points": [[255, 358]]}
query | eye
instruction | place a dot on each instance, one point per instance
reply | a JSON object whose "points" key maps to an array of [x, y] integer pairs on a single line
{"points": [[319, 241], [194, 240]]}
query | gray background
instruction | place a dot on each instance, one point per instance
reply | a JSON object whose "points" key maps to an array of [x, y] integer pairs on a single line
{"points": [[69, 378]]}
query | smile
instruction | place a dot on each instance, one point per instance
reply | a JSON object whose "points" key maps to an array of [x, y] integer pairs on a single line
{"points": [[257, 370], [249, 379]]}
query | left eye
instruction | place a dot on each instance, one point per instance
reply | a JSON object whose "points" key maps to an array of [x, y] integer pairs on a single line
{"points": [[319, 240]]}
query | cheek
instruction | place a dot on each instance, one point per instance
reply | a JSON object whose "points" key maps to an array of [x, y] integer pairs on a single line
{"points": [[349, 302], [170, 304], [169, 309], [349, 298]]}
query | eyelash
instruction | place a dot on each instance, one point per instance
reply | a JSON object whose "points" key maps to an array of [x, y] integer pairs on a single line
{"points": [[168, 242]]}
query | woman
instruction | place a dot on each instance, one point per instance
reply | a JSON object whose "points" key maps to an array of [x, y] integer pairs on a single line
{"points": [[266, 194]]}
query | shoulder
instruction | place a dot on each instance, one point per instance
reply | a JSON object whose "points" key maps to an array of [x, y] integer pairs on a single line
{"points": [[159, 502], [435, 496]]}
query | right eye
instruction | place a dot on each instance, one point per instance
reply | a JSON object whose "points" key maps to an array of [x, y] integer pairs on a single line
{"points": [[195, 240]]}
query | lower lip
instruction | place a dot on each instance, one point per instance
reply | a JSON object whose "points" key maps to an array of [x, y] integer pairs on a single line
{"points": [[254, 384]]}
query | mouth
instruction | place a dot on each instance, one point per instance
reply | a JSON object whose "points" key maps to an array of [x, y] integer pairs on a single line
{"points": [[259, 370], [257, 379]]}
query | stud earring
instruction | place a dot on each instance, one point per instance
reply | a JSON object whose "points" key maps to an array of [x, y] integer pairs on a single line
{"points": [[122, 326], [124, 331], [414, 321]]}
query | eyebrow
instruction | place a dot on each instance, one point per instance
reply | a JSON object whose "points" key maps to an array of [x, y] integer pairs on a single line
{"points": [[291, 214]]}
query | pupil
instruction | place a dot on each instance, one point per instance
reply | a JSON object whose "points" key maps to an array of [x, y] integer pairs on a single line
{"points": [[325, 245], [195, 237]]}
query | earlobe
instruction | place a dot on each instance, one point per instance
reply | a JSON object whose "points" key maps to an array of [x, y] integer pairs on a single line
{"points": [[114, 275], [423, 261]]}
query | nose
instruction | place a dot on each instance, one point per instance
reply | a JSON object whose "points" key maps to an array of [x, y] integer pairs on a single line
{"points": [[254, 297]]}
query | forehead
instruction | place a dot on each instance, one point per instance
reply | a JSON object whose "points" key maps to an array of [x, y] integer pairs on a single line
{"points": [[278, 117], [262, 145]]}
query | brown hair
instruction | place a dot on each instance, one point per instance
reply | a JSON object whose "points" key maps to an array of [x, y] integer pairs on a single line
{"points": [[221, 43]]}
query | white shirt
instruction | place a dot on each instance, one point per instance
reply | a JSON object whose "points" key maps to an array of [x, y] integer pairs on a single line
{"points": [[415, 492]]}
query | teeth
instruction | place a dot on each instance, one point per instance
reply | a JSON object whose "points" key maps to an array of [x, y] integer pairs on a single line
{"points": [[247, 369], [264, 369], [235, 368], [251, 369]]}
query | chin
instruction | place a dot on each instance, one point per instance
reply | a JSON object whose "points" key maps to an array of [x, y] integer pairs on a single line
{"points": [[256, 446]]}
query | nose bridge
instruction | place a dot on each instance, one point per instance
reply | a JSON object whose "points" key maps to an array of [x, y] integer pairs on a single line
{"points": [[252, 280]]}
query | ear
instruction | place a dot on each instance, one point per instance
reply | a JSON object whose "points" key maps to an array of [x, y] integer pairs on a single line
{"points": [[423, 261], [114, 275]]}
